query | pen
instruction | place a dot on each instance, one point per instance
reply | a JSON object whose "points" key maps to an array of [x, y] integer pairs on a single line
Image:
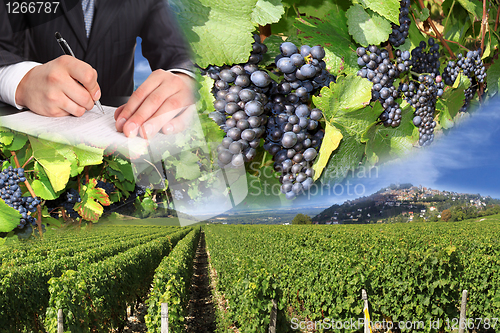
{"points": [[67, 50]]}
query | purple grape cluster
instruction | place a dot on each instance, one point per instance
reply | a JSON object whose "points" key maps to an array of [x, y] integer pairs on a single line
{"points": [[294, 133], [378, 69], [249, 105], [240, 93], [422, 95], [426, 61], [67, 201], [400, 32], [11, 194], [304, 70], [472, 66]]}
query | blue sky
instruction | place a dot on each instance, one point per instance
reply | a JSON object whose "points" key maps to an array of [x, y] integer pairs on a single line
{"points": [[466, 159], [142, 69]]}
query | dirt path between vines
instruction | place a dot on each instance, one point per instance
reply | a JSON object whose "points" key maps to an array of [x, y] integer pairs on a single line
{"points": [[201, 313]]}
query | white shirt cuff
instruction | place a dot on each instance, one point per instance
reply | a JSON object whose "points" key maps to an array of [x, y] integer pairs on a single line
{"points": [[10, 76], [183, 71]]}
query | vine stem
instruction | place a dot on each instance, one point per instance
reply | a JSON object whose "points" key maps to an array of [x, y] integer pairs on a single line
{"points": [[28, 186], [496, 20], [484, 25], [438, 34], [86, 170], [26, 163], [447, 40]]}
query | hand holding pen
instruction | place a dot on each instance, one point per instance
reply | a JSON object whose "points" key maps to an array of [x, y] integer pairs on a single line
{"points": [[67, 50], [61, 87]]}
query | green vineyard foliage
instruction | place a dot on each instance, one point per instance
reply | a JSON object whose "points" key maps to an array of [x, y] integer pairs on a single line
{"points": [[411, 272], [171, 285], [27, 268]]}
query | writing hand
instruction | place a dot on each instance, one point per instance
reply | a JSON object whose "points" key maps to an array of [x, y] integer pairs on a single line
{"points": [[53, 89], [155, 105]]}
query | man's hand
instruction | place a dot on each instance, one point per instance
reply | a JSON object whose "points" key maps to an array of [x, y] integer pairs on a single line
{"points": [[53, 89], [153, 106]]}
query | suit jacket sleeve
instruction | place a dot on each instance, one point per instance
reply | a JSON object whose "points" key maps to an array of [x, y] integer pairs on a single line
{"points": [[163, 43]]}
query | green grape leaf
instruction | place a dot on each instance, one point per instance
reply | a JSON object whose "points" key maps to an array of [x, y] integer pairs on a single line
{"points": [[18, 141], [123, 169], [331, 33], [345, 105], [443, 117], [206, 98], [423, 15], [188, 167], [315, 8], [493, 78], [330, 143], [383, 142], [349, 94], [473, 7], [387, 8], [88, 155], [345, 158], [367, 27], [453, 99], [148, 205], [9, 217], [267, 11], [206, 23], [46, 218], [42, 185], [92, 199], [51, 157], [6, 136]]}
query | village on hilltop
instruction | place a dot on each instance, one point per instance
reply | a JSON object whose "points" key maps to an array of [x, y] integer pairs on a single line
{"points": [[403, 203]]}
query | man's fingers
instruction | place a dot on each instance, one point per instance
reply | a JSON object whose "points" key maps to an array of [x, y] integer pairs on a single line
{"points": [[118, 111], [137, 99], [181, 122], [154, 124], [68, 105], [83, 73], [79, 95]]}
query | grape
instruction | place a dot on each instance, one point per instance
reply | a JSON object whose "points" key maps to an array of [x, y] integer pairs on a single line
{"points": [[317, 52], [260, 79], [287, 49], [286, 65]]}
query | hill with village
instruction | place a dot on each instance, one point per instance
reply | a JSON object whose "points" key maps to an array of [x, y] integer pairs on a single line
{"points": [[408, 203]]}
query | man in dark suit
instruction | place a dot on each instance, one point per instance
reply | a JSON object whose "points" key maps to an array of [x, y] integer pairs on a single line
{"points": [[103, 40]]}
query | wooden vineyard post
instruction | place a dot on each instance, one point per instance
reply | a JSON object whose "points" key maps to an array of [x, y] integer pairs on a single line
{"points": [[462, 324], [60, 323], [164, 318], [364, 297], [274, 314]]}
